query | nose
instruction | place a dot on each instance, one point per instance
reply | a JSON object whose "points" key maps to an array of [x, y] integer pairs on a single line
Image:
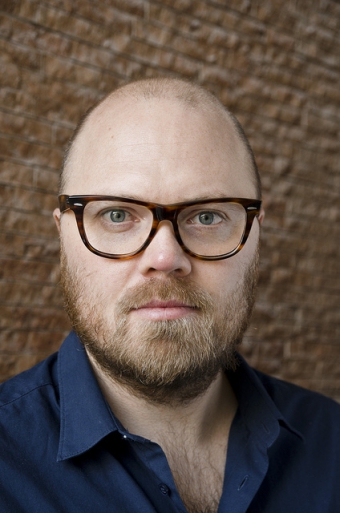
{"points": [[164, 254]]}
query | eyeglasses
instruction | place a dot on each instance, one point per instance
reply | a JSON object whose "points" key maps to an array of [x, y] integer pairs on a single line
{"points": [[122, 228]]}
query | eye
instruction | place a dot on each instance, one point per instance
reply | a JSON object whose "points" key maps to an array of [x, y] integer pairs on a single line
{"points": [[207, 218], [117, 216]]}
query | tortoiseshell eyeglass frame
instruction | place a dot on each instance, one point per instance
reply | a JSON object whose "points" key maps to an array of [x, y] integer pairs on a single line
{"points": [[160, 213]]}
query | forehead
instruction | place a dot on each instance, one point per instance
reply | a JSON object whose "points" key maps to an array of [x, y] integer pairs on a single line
{"points": [[158, 150]]}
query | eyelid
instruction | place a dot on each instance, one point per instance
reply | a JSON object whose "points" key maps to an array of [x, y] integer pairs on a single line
{"points": [[118, 208], [128, 216], [197, 211]]}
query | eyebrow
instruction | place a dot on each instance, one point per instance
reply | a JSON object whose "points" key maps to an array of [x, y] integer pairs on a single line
{"points": [[196, 199]]}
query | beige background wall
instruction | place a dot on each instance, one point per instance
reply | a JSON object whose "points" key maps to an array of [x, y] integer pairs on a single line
{"points": [[276, 64]]}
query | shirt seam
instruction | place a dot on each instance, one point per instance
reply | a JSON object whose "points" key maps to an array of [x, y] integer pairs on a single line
{"points": [[27, 393]]}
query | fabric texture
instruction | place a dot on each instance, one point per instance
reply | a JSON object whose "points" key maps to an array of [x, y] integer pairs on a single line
{"points": [[63, 450]]}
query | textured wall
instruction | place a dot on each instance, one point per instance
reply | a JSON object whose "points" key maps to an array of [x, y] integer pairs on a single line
{"points": [[276, 64]]}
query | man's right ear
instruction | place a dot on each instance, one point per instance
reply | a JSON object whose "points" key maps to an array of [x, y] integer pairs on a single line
{"points": [[56, 216]]}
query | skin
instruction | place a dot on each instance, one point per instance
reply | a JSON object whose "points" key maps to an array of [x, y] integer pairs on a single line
{"points": [[161, 151]]}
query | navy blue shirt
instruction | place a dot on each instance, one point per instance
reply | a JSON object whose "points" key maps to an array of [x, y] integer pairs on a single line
{"points": [[63, 450]]}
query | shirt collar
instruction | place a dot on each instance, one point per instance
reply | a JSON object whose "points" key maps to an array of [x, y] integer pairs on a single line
{"points": [[85, 417], [260, 413]]}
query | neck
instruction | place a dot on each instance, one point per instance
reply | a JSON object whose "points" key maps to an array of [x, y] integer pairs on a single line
{"points": [[202, 417]]}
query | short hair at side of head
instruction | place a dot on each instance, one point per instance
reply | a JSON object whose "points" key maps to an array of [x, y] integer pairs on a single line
{"points": [[190, 93]]}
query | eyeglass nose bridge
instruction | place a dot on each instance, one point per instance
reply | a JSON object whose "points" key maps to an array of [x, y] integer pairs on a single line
{"points": [[162, 213], [165, 213]]}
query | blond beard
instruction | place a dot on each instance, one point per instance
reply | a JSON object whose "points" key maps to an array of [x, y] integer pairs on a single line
{"points": [[168, 361]]}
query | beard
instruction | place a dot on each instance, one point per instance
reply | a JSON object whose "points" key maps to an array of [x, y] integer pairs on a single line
{"points": [[164, 361]]}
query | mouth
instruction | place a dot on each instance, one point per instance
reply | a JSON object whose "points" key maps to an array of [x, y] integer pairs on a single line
{"points": [[163, 310]]}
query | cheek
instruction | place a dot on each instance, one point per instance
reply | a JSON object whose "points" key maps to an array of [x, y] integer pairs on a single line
{"points": [[219, 278], [106, 279], [102, 280], [222, 277]]}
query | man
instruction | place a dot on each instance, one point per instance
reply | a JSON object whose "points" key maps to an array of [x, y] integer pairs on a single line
{"points": [[147, 407]]}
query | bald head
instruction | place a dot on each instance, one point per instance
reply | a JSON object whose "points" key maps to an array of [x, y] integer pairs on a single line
{"points": [[190, 96]]}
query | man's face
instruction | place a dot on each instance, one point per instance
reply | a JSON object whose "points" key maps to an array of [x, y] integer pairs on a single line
{"points": [[163, 323]]}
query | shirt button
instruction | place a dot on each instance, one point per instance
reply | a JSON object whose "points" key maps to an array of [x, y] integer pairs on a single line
{"points": [[164, 489]]}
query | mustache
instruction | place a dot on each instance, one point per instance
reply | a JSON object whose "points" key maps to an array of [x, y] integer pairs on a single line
{"points": [[170, 289]]}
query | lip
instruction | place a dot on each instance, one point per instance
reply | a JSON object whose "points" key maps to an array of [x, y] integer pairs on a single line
{"points": [[163, 310]]}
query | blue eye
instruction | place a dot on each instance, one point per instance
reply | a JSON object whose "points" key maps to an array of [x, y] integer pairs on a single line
{"points": [[206, 217], [117, 216]]}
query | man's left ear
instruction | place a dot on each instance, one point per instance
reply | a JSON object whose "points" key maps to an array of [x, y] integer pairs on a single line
{"points": [[261, 215]]}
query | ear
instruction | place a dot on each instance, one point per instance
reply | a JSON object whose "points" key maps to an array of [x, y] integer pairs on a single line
{"points": [[56, 216], [261, 216]]}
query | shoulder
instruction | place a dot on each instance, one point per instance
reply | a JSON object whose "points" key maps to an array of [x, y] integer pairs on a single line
{"points": [[29, 407], [37, 381], [306, 410]]}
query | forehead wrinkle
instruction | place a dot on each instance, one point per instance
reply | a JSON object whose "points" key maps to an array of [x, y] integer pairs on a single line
{"points": [[99, 120]]}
